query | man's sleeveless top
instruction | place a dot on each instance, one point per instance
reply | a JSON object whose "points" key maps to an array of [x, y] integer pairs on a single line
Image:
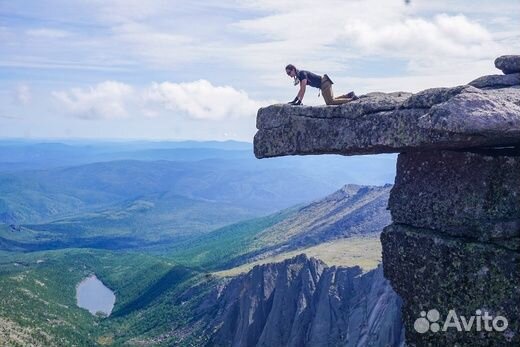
{"points": [[313, 80]]}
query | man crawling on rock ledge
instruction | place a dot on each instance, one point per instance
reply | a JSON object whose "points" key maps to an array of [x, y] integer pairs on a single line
{"points": [[324, 83]]}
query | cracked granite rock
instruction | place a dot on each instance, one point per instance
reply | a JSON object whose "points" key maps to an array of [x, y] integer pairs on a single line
{"points": [[455, 240], [463, 194]]}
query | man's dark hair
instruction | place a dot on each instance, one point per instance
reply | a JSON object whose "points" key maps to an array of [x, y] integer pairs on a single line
{"points": [[290, 67]]}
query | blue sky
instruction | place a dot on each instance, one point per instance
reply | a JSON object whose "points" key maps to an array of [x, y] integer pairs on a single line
{"points": [[200, 70]]}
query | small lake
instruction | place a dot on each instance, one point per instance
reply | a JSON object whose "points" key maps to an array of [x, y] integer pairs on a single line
{"points": [[94, 296]]}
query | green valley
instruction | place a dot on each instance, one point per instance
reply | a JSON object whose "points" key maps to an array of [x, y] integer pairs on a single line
{"points": [[163, 236]]}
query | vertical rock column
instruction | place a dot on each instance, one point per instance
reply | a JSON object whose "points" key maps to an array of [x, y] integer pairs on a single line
{"points": [[454, 244]]}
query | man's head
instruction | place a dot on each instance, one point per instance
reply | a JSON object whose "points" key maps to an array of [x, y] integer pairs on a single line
{"points": [[290, 69]]}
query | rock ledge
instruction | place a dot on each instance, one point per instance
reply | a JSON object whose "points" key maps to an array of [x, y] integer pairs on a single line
{"points": [[484, 113]]}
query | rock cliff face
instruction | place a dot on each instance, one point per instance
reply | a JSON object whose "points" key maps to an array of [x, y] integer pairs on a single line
{"points": [[454, 242], [302, 302]]}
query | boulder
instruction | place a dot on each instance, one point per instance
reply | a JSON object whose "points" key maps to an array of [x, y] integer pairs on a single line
{"points": [[508, 63], [496, 81]]}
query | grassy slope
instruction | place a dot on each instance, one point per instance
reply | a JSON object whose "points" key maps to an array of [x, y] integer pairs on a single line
{"points": [[217, 248], [148, 288], [46, 195], [364, 251], [38, 302], [153, 220], [351, 211], [147, 200]]}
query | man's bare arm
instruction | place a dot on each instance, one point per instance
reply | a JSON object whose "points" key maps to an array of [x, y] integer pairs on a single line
{"points": [[301, 93]]}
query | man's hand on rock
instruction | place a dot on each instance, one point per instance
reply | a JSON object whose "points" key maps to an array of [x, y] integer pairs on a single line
{"points": [[295, 102]]}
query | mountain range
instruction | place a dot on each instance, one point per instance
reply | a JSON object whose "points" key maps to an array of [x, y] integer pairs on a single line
{"points": [[191, 248]]}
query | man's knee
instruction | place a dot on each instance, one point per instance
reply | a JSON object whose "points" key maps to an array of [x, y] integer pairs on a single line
{"points": [[327, 92], [327, 96]]}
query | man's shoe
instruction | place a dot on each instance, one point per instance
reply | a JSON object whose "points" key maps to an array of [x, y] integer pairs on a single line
{"points": [[350, 95]]}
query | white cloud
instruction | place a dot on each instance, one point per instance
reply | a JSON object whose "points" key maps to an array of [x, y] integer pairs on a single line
{"points": [[106, 100], [257, 35], [23, 94], [202, 100], [446, 36], [342, 38], [198, 100], [443, 45]]}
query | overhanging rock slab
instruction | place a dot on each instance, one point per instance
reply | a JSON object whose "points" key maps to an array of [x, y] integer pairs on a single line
{"points": [[439, 118]]}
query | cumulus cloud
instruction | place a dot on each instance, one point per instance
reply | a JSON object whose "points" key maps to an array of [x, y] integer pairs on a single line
{"points": [[445, 35], [343, 38], [106, 100], [202, 100], [199, 100]]}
